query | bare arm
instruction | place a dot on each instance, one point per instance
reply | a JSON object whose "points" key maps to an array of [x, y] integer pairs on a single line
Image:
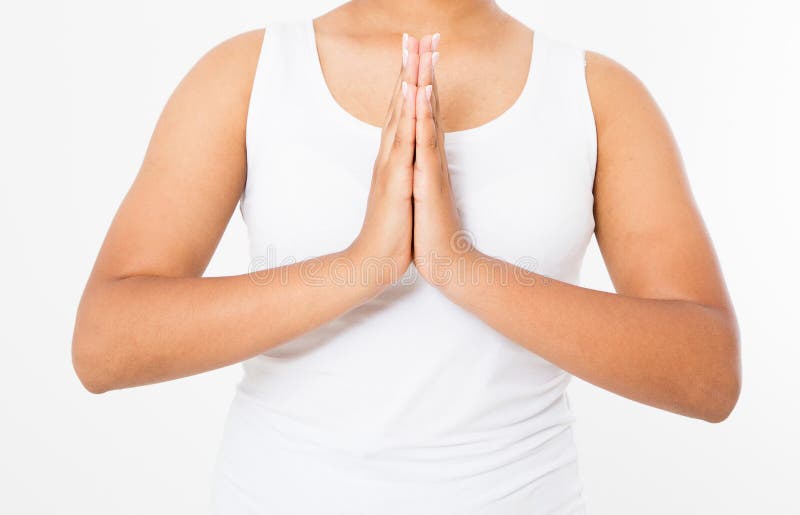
{"points": [[669, 337], [147, 315]]}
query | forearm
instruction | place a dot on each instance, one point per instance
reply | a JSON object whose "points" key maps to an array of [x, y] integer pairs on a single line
{"points": [[145, 329], [672, 354]]}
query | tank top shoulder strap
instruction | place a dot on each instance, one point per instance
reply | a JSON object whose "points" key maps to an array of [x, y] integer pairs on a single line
{"points": [[564, 62], [282, 75], [563, 91], [288, 83]]}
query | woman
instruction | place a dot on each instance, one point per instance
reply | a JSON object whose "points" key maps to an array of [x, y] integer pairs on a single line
{"points": [[411, 319]]}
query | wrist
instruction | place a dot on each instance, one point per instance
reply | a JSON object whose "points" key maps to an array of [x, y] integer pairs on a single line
{"points": [[447, 269], [374, 271]]}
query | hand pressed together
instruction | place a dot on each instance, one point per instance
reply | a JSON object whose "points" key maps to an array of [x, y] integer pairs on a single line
{"points": [[438, 238], [382, 250], [411, 213]]}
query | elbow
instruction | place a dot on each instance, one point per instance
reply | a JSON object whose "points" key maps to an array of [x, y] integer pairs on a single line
{"points": [[92, 358], [97, 356], [723, 382], [719, 405], [88, 362], [93, 386]]}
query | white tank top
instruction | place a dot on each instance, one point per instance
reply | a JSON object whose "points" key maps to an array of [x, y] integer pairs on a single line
{"points": [[408, 404]]}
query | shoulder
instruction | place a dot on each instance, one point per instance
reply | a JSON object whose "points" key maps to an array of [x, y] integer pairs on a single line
{"points": [[241, 49], [217, 87], [635, 141], [616, 92], [231, 64]]}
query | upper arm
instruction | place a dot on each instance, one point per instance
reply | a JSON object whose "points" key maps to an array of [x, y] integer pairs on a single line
{"points": [[648, 227], [193, 172]]}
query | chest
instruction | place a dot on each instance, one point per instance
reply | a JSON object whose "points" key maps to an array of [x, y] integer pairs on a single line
{"points": [[474, 84], [524, 195]]}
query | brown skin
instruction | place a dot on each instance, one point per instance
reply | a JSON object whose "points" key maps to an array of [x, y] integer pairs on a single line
{"points": [[668, 338], [146, 314]]}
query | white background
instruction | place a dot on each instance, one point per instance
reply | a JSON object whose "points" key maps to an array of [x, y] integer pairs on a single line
{"points": [[82, 86]]}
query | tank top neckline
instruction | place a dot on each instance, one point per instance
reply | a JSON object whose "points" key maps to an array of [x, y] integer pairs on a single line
{"points": [[525, 97]]}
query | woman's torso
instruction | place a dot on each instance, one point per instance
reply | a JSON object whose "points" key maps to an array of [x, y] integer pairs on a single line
{"points": [[408, 403]]}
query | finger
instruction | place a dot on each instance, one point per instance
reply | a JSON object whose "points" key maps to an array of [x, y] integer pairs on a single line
{"points": [[427, 77], [435, 48], [408, 72], [429, 57], [426, 44], [431, 43], [409, 75], [434, 65], [404, 137], [388, 133], [427, 160], [412, 45], [437, 118]]}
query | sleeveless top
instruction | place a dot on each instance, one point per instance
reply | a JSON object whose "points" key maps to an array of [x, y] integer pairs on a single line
{"points": [[407, 404]]}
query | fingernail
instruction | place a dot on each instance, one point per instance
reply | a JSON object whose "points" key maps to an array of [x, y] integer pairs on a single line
{"points": [[405, 40], [405, 89], [428, 90], [405, 56], [435, 41], [434, 58]]}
